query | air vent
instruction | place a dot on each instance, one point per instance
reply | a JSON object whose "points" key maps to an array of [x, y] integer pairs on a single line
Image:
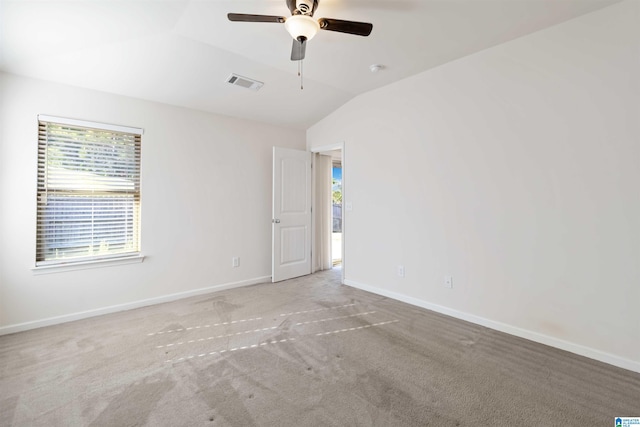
{"points": [[244, 82]]}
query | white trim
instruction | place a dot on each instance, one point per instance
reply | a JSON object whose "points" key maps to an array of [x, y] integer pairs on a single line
{"points": [[314, 167], [330, 147], [84, 265], [11, 329], [503, 327], [92, 125]]}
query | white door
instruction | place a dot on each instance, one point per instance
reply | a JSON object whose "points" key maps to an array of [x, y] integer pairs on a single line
{"points": [[291, 221]]}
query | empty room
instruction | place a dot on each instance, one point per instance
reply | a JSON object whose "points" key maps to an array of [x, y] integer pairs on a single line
{"points": [[319, 213]]}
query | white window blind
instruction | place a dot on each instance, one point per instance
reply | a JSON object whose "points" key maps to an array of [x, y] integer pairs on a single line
{"points": [[88, 191]]}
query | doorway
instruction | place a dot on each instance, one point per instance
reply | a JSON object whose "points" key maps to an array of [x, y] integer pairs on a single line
{"points": [[329, 220]]}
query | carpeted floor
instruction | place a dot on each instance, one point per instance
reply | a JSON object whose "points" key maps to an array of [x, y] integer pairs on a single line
{"points": [[305, 352]]}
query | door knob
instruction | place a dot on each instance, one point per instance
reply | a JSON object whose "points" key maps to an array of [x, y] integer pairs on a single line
{"points": [[275, 221]]}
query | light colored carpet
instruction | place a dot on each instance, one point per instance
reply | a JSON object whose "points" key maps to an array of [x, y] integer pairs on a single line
{"points": [[306, 352]]}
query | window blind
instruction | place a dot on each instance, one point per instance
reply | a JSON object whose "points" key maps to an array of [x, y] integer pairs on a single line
{"points": [[88, 197]]}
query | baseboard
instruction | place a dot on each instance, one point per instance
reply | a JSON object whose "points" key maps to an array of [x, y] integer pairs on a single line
{"points": [[10, 329], [503, 327]]}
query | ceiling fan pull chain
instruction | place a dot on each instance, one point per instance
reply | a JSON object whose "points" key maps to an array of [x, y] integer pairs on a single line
{"points": [[301, 74]]}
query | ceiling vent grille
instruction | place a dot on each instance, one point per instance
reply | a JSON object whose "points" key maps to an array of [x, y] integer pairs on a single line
{"points": [[244, 82]]}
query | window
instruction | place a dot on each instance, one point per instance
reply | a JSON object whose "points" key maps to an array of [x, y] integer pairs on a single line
{"points": [[88, 191]]}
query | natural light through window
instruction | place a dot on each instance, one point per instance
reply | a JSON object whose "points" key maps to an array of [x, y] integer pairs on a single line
{"points": [[88, 191]]}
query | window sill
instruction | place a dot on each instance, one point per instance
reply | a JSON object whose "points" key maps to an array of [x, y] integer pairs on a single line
{"points": [[84, 265]]}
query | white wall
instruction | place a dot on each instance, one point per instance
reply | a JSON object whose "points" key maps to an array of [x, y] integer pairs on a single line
{"points": [[206, 197], [515, 170]]}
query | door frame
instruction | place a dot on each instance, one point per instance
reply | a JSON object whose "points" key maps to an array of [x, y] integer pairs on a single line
{"points": [[320, 149]]}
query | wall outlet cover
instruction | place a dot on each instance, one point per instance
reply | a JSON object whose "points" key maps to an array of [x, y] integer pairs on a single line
{"points": [[448, 282]]}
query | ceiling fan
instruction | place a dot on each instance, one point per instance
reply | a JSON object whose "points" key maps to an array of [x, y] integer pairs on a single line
{"points": [[303, 27]]}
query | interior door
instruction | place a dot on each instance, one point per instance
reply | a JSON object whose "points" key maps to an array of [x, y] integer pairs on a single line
{"points": [[291, 221]]}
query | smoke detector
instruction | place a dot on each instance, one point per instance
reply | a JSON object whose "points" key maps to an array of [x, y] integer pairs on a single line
{"points": [[244, 82]]}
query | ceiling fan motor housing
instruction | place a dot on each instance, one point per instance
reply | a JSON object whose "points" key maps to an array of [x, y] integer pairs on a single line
{"points": [[305, 6], [302, 7]]}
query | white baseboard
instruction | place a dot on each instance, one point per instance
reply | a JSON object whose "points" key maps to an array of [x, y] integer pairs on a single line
{"points": [[503, 327], [10, 329]]}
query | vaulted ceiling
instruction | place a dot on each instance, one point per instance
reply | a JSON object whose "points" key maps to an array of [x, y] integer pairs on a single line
{"points": [[181, 52]]}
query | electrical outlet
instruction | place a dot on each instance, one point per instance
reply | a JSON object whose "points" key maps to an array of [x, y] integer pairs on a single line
{"points": [[448, 282], [401, 271], [235, 261]]}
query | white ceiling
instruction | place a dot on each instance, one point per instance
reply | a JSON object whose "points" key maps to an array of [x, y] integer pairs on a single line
{"points": [[180, 52]]}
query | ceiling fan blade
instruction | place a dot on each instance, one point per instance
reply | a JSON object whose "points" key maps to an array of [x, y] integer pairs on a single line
{"points": [[298, 50], [243, 17], [349, 27]]}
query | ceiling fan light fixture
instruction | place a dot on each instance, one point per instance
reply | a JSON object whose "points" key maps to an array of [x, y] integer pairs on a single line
{"points": [[301, 26]]}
